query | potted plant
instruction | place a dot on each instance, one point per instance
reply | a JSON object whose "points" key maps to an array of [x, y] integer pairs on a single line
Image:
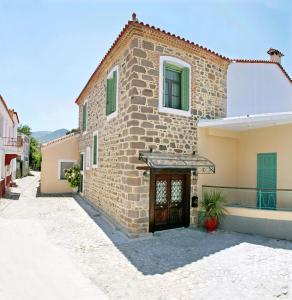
{"points": [[73, 177], [212, 209]]}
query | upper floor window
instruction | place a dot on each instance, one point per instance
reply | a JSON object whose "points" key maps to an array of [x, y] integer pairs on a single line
{"points": [[112, 93], [84, 116], [175, 86], [95, 150]]}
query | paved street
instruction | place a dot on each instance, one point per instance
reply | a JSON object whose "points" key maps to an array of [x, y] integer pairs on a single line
{"points": [[59, 248]]}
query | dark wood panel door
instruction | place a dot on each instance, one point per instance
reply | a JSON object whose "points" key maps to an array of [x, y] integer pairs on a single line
{"points": [[169, 201]]}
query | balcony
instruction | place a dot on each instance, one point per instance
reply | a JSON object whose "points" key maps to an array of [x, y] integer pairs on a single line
{"points": [[11, 145], [12, 142], [265, 199]]}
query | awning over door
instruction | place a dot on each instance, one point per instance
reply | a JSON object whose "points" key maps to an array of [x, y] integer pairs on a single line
{"points": [[8, 158], [166, 160]]}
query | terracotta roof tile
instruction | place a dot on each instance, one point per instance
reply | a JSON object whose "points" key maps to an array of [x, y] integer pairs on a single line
{"points": [[262, 61], [10, 112], [131, 24], [60, 139]]}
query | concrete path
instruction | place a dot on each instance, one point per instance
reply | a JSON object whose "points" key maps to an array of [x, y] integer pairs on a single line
{"points": [[31, 265], [61, 248]]}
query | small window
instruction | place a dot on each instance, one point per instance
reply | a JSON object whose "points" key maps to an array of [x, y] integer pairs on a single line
{"points": [[175, 83], [112, 93], [64, 165], [84, 117], [87, 158], [95, 149]]}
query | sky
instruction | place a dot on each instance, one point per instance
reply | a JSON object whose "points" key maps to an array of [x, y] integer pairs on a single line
{"points": [[49, 48]]}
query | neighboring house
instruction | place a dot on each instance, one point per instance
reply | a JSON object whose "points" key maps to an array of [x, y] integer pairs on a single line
{"points": [[58, 155], [8, 145], [258, 86], [22, 168], [252, 148]]}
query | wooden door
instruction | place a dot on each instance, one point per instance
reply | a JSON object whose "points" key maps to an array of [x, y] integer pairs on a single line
{"points": [[169, 201], [267, 180]]}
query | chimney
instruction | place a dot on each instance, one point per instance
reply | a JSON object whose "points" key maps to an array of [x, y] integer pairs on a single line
{"points": [[275, 55], [134, 17]]}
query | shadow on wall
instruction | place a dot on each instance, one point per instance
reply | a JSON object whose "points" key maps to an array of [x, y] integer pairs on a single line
{"points": [[171, 249]]}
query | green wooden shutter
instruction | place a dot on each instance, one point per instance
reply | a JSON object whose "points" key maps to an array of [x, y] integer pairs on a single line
{"points": [[94, 149], [185, 88], [84, 117], [108, 96], [81, 162], [267, 180], [114, 92]]}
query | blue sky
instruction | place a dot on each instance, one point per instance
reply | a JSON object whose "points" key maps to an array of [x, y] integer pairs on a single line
{"points": [[50, 48]]}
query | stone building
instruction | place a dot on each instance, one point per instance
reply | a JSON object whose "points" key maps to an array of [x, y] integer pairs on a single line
{"points": [[138, 117]]}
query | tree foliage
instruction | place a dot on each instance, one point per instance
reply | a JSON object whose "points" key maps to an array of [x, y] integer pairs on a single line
{"points": [[35, 157], [25, 129], [74, 130]]}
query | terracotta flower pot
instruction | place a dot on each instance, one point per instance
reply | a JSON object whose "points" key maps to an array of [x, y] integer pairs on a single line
{"points": [[211, 224]]}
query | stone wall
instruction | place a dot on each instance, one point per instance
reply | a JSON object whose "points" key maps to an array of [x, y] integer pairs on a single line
{"points": [[116, 186], [169, 132], [105, 186]]}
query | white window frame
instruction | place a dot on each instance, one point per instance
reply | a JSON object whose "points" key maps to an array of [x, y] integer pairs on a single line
{"points": [[59, 166], [85, 102], [179, 63], [95, 133], [110, 75], [82, 171], [88, 158]]}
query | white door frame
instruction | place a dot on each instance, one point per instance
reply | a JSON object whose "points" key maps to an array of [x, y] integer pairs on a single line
{"points": [[82, 172]]}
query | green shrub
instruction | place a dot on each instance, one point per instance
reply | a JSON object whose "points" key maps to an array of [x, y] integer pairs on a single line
{"points": [[212, 205], [73, 176]]}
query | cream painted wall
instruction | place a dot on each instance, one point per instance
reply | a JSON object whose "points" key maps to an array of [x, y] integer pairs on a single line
{"points": [[221, 147], [235, 157], [67, 149]]}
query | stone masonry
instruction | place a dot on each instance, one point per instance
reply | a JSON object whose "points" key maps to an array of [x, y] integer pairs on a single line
{"points": [[116, 186]]}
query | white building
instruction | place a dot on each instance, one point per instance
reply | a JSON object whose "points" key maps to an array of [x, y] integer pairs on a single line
{"points": [[8, 145], [258, 86]]}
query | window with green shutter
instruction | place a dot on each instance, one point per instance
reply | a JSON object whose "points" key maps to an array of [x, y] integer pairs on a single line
{"points": [[111, 93], [84, 117], [95, 149], [176, 87]]}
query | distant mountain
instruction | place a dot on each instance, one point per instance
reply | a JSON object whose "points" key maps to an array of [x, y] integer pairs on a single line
{"points": [[39, 134], [46, 136]]}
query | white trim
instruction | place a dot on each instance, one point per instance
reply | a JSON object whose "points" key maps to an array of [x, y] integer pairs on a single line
{"points": [[88, 158], [110, 74], [85, 102], [95, 133], [180, 63], [82, 172], [248, 122], [59, 166]]}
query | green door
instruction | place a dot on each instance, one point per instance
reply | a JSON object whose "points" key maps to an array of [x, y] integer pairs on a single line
{"points": [[267, 180]]}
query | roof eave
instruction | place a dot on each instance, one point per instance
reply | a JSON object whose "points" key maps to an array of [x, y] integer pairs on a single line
{"points": [[136, 24]]}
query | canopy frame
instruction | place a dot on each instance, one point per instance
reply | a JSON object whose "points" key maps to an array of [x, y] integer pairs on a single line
{"points": [[166, 160]]}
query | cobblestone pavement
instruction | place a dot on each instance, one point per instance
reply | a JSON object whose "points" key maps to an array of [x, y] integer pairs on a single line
{"points": [[173, 264]]}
